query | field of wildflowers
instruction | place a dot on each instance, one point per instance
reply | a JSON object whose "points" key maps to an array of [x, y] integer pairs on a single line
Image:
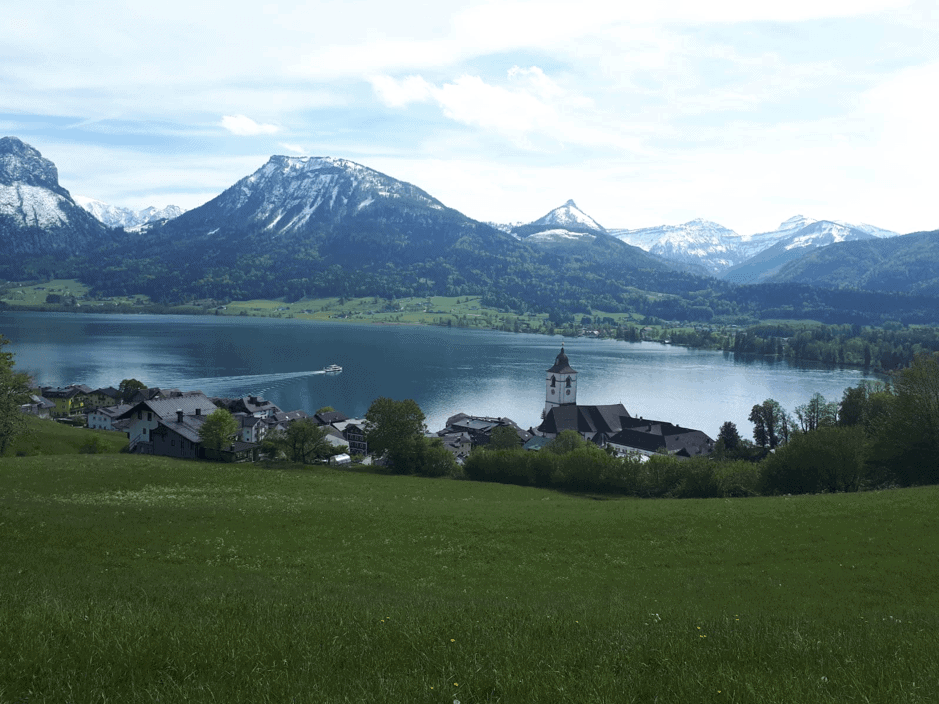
{"points": [[140, 579]]}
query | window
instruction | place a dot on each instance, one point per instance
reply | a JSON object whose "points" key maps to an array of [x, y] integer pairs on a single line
{"points": [[149, 416]]}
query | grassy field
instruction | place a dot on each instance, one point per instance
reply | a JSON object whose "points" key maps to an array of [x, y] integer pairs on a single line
{"points": [[34, 295], [144, 579], [46, 437]]}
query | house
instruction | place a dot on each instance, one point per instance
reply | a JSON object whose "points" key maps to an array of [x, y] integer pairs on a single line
{"points": [[252, 428], [178, 436], [281, 419], [329, 417], [353, 430], [69, 400], [106, 417], [477, 429], [249, 405], [38, 406], [145, 416], [105, 397]]}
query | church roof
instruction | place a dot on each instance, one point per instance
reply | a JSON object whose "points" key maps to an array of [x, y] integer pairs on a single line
{"points": [[608, 419], [562, 365]]}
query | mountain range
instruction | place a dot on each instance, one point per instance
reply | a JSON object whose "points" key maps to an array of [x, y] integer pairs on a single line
{"points": [[307, 226], [116, 216]]}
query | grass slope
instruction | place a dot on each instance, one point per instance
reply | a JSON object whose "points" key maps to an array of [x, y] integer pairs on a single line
{"points": [[47, 437], [145, 579]]}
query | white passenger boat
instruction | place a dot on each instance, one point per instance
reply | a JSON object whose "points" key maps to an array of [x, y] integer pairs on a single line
{"points": [[332, 369]]}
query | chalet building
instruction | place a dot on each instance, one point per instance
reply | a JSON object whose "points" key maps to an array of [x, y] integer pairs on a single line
{"points": [[478, 430], [252, 428], [145, 416], [38, 406], [281, 419], [611, 424], [69, 400], [105, 397], [106, 418], [329, 417], [353, 430], [178, 436], [249, 405]]}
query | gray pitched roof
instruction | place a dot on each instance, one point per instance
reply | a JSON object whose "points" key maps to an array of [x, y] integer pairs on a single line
{"points": [[654, 435], [167, 407], [189, 427], [607, 419]]}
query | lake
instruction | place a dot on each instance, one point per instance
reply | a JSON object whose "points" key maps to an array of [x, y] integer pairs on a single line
{"points": [[446, 370]]}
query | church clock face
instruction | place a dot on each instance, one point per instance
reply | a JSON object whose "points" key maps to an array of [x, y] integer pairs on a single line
{"points": [[568, 392]]}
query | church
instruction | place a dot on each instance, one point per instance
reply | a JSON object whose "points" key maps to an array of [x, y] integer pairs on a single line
{"points": [[611, 424]]}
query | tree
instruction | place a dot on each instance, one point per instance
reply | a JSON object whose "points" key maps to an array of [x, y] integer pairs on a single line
{"points": [[906, 445], [504, 437], [566, 441], [396, 428], [14, 390], [817, 413], [218, 430], [768, 420], [305, 441], [863, 404], [729, 436], [128, 387], [325, 409]]}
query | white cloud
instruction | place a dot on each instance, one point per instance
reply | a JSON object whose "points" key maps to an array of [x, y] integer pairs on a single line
{"points": [[399, 93], [295, 148], [531, 110], [245, 126]]}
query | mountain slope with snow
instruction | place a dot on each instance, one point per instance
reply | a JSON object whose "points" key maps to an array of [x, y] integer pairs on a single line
{"points": [[116, 216], [815, 235], [37, 215], [695, 243]]}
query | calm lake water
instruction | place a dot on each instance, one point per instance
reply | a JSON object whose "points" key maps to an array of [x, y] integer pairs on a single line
{"points": [[444, 370]]}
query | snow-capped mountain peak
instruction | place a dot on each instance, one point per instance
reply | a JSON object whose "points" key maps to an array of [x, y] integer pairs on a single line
{"points": [[566, 217], [37, 215], [116, 216], [697, 242]]}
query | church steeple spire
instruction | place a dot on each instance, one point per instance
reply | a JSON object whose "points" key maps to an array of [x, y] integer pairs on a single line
{"points": [[560, 383]]}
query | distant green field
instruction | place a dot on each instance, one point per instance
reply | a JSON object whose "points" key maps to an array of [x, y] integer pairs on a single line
{"points": [[455, 310], [134, 579]]}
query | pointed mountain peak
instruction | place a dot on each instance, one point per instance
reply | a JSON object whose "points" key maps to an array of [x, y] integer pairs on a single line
{"points": [[566, 217]]}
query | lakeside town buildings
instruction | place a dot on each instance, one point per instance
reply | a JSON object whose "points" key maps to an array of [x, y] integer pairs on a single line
{"points": [[167, 421]]}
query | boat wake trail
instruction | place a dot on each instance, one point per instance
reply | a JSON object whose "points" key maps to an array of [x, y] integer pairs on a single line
{"points": [[245, 385]]}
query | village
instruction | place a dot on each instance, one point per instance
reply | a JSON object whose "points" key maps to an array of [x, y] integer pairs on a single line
{"points": [[169, 422]]}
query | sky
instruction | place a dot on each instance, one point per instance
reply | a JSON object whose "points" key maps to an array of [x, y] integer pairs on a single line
{"points": [[644, 113]]}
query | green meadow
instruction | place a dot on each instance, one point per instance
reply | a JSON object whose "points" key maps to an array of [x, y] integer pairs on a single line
{"points": [[140, 579]]}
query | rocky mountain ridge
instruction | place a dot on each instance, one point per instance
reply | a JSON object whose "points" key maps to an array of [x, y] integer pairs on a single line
{"points": [[37, 215]]}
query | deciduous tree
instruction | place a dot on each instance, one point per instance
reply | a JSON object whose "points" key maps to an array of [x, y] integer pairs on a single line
{"points": [[14, 390], [396, 428], [218, 430], [305, 441], [128, 387], [769, 421]]}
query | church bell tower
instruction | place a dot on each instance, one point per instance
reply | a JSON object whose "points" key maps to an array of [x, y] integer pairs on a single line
{"points": [[560, 384]]}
